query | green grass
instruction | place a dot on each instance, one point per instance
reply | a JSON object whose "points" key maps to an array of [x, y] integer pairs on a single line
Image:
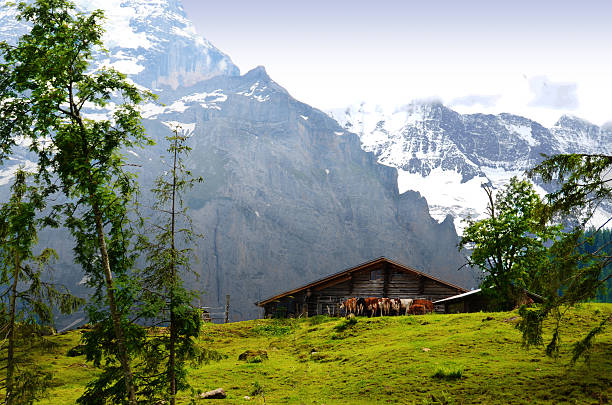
{"points": [[429, 359], [448, 373]]}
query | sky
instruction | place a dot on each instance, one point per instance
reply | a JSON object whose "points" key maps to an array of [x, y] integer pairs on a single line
{"points": [[540, 59]]}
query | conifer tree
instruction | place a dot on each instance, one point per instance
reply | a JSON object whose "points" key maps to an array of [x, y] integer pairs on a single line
{"points": [[30, 298], [575, 272], [169, 253]]}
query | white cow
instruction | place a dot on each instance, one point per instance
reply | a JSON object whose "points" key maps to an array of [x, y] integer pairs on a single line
{"points": [[405, 305]]}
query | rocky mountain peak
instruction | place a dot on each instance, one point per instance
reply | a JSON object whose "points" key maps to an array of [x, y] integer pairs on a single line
{"points": [[446, 156], [152, 41], [573, 122]]}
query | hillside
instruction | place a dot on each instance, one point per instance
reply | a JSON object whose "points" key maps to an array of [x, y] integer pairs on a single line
{"points": [[382, 360]]}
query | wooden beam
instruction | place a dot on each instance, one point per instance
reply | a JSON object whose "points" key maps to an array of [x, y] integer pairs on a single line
{"points": [[387, 277], [332, 282], [421, 284]]}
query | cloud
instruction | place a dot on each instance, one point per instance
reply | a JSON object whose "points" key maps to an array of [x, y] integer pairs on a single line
{"points": [[561, 96], [476, 99]]}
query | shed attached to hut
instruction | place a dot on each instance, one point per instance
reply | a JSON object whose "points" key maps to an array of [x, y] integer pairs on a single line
{"points": [[475, 301], [381, 278]]}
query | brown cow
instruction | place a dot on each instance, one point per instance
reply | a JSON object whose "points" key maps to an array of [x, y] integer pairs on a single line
{"points": [[417, 309], [349, 306], [426, 304], [385, 306], [371, 305]]}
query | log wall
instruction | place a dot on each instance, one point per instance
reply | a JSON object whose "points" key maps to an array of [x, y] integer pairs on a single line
{"points": [[381, 281]]}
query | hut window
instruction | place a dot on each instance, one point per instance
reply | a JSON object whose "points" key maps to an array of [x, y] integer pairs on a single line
{"points": [[376, 274]]}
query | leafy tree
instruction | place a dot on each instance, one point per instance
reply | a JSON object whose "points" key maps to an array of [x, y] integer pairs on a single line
{"points": [[30, 299], [508, 247], [169, 254], [47, 86], [575, 272]]}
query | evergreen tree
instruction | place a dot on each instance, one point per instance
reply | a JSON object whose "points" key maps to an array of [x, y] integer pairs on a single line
{"points": [[168, 254], [30, 298], [47, 85], [575, 272]]}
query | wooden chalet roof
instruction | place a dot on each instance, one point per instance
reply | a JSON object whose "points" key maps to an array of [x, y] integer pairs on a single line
{"points": [[334, 278]]}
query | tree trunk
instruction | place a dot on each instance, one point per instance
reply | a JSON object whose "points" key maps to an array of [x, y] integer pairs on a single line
{"points": [[172, 359], [110, 292], [10, 358]]}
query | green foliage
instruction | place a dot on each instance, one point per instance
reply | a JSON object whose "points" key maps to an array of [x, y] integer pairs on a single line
{"points": [[47, 86], [319, 319], [584, 182], [578, 267], [509, 246], [448, 373], [169, 253], [531, 325], [599, 242], [30, 298], [258, 390], [278, 327], [584, 347], [30, 385]]}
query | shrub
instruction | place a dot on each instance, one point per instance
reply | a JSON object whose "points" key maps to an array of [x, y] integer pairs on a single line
{"points": [[278, 327], [448, 373]]}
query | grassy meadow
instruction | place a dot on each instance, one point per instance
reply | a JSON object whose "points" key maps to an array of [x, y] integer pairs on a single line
{"points": [[428, 359]]}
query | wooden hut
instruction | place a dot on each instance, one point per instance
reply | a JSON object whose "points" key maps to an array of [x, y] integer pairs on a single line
{"points": [[378, 278]]}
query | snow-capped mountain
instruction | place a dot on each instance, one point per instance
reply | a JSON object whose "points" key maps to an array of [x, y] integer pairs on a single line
{"points": [[288, 195], [446, 156], [150, 40]]}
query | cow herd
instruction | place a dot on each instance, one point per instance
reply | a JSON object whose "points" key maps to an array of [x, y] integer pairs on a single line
{"points": [[385, 306]]}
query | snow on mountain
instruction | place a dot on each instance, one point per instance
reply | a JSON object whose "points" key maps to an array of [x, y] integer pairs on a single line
{"points": [[150, 40], [573, 134], [447, 156], [288, 195]]}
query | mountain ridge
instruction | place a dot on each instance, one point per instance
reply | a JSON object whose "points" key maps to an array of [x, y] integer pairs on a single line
{"points": [[446, 156], [289, 196]]}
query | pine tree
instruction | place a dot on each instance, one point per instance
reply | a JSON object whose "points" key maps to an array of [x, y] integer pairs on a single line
{"points": [[575, 273], [30, 298], [169, 254]]}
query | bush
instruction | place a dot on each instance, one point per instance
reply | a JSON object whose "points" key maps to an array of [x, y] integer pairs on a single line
{"points": [[279, 327], [448, 373]]}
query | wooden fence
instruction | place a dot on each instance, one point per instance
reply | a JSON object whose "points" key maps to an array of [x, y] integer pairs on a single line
{"points": [[212, 314]]}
